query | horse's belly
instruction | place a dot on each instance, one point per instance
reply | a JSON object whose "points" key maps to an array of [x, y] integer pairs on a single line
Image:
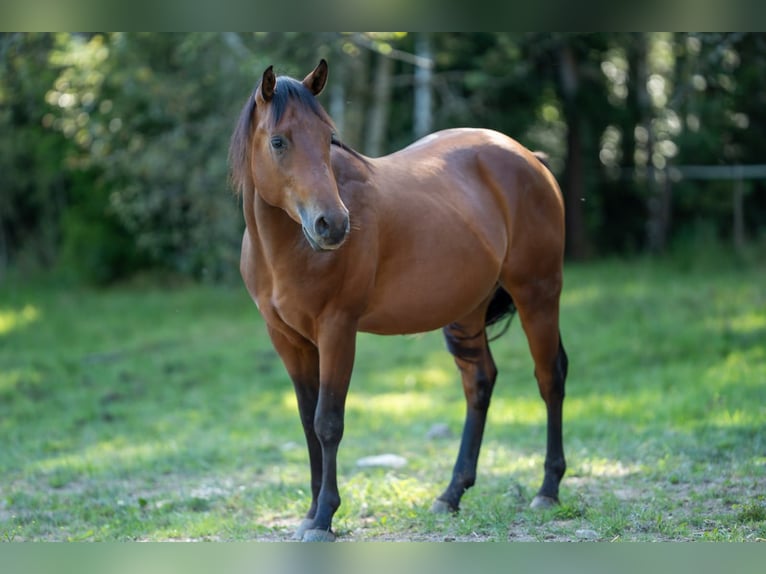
{"points": [[422, 302], [389, 322]]}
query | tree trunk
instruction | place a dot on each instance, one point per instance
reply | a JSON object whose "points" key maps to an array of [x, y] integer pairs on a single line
{"points": [[357, 99], [574, 185], [632, 116], [422, 113], [657, 192], [337, 103], [377, 117]]}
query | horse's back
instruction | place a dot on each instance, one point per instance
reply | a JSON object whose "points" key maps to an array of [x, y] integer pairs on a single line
{"points": [[449, 209], [478, 160], [485, 175]]}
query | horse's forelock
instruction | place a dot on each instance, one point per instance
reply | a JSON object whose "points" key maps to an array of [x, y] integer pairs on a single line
{"points": [[291, 90], [288, 90]]}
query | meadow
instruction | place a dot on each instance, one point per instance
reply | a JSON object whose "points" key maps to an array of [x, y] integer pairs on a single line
{"points": [[162, 413]]}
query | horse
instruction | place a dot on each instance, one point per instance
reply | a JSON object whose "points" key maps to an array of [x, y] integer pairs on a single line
{"points": [[456, 231]]}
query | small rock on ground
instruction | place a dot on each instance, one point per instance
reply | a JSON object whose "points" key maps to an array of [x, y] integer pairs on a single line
{"points": [[586, 534], [439, 431], [383, 460]]}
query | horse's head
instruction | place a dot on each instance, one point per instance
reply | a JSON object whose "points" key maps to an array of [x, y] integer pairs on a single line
{"points": [[290, 156]]}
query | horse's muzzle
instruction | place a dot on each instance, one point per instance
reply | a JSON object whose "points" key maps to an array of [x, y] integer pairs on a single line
{"points": [[327, 232]]}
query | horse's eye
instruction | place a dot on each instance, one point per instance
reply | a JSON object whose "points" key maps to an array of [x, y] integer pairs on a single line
{"points": [[278, 143]]}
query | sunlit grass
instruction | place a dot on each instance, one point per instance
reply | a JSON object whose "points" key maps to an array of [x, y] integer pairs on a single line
{"points": [[11, 319], [392, 405], [105, 455], [748, 322], [524, 410], [166, 415]]}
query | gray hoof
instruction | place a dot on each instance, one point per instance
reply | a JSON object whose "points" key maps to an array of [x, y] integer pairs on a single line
{"points": [[441, 507], [543, 502], [317, 535], [305, 525]]}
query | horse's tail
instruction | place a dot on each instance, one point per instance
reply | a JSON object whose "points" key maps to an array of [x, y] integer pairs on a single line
{"points": [[501, 306]]}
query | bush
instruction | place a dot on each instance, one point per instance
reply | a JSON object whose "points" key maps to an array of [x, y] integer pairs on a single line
{"points": [[151, 115], [96, 246]]}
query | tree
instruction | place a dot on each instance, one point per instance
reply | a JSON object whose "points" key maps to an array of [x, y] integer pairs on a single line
{"points": [[151, 114], [33, 186]]}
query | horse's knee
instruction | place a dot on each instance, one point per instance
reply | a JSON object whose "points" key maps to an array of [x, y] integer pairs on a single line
{"points": [[328, 427]]}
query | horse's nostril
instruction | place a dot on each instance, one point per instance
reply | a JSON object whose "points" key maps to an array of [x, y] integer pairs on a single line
{"points": [[330, 230], [322, 226]]}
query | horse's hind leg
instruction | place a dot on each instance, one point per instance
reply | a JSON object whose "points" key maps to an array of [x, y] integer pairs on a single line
{"points": [[467, 341], [539, 314], [552, 391]]}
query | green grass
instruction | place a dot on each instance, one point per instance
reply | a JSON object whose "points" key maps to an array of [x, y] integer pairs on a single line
{"points": [[164, 414]]}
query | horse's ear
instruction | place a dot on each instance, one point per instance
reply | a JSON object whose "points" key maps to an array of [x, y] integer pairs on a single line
{"points": [[268, 83], [316, 80]]}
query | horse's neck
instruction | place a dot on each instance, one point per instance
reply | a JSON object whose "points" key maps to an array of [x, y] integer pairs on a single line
{"points": [[267, 225], [351, 169]]}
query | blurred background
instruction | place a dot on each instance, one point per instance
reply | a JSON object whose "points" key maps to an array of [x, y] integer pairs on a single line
{"points": [[113, 146]]}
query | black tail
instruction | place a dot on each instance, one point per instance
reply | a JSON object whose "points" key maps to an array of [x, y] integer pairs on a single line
{"points": [[500, 307]]}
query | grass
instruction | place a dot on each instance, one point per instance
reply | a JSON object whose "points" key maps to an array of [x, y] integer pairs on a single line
{"points": [[164, 414]]}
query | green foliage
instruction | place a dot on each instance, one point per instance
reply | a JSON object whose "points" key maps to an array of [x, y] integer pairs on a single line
{"points": [[33, 185], [97, 247], [113, 146], [152, 115]]}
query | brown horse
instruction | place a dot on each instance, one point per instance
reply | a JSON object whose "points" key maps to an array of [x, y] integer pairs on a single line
{"points": [[455, 231]]}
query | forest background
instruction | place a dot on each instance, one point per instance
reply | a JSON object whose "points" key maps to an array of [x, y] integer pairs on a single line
{"points": [[113, 145]]}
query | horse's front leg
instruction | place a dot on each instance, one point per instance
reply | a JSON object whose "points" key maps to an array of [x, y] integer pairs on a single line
{"points": [[301, 360], [337, 344]]}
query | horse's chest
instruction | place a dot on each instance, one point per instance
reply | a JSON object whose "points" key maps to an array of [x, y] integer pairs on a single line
{"points": [[287, 306]]}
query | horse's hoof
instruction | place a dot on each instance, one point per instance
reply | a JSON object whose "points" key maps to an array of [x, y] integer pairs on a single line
{"points": [[543, 502], [305, 525], [441, 507], [318, 535]]}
